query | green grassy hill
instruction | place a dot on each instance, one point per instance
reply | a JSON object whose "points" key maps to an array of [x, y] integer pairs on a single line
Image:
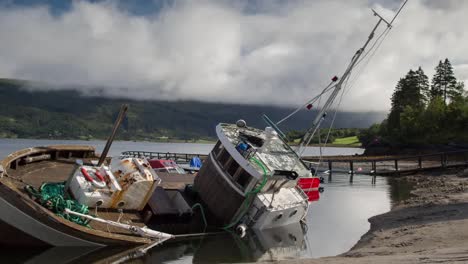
{"points": [[68, 114]]}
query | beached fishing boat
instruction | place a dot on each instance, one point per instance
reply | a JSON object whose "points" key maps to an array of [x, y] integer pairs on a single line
{"points": [[69, 196], [26, 222]]}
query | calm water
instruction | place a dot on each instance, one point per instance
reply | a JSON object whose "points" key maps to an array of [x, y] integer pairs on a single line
{"points": [[334, 223], [8, 146]]}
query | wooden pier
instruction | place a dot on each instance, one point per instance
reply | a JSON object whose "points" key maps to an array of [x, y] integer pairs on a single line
{"points": [[177, 157], [358, 164], [391, 165]]}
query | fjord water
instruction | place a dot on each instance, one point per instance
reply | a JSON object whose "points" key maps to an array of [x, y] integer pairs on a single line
{"points": [[334, 223]]}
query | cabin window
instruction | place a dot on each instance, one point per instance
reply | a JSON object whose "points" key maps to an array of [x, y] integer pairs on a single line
{"points": [[223, 157], [243, 179], [232, 167], [217, 148]]}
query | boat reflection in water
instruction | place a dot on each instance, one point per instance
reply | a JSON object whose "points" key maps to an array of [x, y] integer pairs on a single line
{"points": [[287, 242]]}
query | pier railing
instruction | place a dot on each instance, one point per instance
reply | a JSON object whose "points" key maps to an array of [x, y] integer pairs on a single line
{"points": [[391, 165], [178, 157], [388, 165]]}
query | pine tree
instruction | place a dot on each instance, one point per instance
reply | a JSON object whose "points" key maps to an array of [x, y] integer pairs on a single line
{"points": [[444, 83], [409, 92], [438, 81], [423, 85], [397, 107]]}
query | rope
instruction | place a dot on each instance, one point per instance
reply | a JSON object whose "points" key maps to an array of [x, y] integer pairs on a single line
{"points": [[383, 34], [354, 80], [52, 197], [202, 213], [331, 125], [375, 46], [326, 89], [301, 149]]}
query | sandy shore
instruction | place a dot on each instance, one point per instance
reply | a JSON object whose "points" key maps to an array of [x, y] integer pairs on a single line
{"points": [[429, 227]]}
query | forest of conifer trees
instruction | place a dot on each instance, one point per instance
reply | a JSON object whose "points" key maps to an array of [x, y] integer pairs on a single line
{"points": [[423, 112]]}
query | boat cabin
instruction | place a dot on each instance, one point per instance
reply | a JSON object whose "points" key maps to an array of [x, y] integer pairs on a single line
{"points": [[248, 164]]}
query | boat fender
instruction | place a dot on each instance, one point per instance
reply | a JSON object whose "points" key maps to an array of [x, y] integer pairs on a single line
{"points": [[99, 176], [86, 174], [88, 177], [321, 189], [241, 230]]}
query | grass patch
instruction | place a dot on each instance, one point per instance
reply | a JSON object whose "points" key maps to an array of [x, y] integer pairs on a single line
{"points": [[348, 141]]}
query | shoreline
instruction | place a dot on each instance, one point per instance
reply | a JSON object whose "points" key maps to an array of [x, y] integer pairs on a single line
{"points": [[198, 141], [431, 226]]}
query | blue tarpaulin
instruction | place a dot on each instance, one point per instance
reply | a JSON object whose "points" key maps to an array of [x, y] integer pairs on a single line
{"points": [[195, 162]]}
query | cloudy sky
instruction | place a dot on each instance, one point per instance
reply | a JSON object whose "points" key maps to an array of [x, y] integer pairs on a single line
{"points": [[245, 51]]}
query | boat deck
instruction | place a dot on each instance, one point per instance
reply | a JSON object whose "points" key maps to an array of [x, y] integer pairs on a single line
{"points": [[35, 174], [55, 164]]}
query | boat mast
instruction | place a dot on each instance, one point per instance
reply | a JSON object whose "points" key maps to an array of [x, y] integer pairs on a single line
{"points": [[337, 87]]}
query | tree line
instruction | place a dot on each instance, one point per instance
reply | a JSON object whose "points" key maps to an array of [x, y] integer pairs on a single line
{"points": [[424, 112]]}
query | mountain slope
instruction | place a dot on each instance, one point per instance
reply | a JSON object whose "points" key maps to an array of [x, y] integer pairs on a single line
{"points": [[39, 113]]}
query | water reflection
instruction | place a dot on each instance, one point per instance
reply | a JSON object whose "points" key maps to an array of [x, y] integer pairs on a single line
{"points": [[268, 245], [400, 189], [334, 224]]}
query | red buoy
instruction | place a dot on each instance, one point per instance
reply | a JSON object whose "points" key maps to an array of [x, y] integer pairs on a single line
{"points": [[86, 175]]}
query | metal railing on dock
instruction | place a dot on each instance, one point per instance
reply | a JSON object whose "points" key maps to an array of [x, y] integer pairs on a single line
{"points": [[392, 165], [178, 157]]}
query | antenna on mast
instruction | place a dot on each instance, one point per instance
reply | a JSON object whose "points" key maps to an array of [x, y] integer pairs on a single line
{"points": [[389, 24], [383, 19], [336, 84]]}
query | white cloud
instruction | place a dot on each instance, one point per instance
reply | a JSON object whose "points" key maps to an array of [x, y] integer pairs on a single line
{"points": [[216, 51]]}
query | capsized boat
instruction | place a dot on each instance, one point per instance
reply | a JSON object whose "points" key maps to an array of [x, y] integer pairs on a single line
{"points": [[250, 177]]}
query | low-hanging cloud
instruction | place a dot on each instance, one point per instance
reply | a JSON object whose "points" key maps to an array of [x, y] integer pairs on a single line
{"points": [[281, 52]]}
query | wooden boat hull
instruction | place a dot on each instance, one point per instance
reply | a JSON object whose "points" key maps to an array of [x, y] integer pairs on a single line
{"points": [[25, 222], [27, 227]]}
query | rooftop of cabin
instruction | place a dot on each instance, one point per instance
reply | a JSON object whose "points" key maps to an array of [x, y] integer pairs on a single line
{"points": [[263, 145]]}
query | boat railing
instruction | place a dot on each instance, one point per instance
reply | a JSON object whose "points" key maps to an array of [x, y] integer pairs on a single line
{"points": [[177, 157]]}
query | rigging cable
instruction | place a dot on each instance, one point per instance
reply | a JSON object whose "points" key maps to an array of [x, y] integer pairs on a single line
{"points": [[372, 51], [326, 89], [331, 124]]}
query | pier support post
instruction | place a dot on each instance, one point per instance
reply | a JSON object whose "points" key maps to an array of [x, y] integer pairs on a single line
{"points": [[329, 170], [420, 162], [374, 172], [351, 169], [396, 167]]}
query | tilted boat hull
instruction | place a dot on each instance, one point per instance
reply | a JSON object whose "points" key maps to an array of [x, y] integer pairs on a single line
{"points": [[25, 222]]}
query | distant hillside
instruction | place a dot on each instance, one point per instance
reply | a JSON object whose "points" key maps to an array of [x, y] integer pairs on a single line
{"points": [[68, 114]]}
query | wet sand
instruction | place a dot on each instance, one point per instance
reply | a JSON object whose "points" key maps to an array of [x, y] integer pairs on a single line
{"points": [[429, 227]]}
